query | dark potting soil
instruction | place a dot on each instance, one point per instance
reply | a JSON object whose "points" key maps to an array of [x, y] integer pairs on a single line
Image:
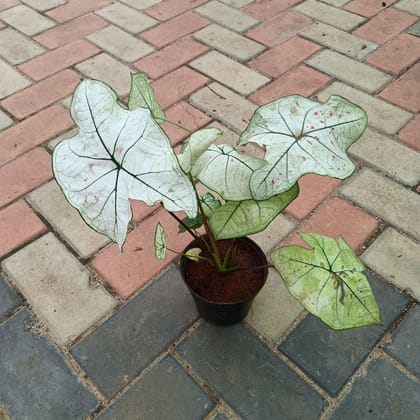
{"points": [[229, 287]]}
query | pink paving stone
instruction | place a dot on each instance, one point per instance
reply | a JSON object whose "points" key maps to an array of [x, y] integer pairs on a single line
{"points": [[278, 29], [2, 25], [410, 134], [24, 174], [141, 211], [174, 29], [7, 4], [70, 31], [385, 25], [168, 9], [18, 225], [337, 217], [368, 8], [44, 93], [313, 189], [283, 57], [59, 59], [170, 57], [302, 80], [396, 55], [33, 132], [75, 8], [187, 116], [265, 9], [177, 85], [128, 271], [405, 92]]}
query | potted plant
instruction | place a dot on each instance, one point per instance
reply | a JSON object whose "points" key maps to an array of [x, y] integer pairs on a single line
{"points": [[122, 153]]}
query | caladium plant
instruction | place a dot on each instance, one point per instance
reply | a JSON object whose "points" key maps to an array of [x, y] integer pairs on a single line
{"points": [[122, 153]]}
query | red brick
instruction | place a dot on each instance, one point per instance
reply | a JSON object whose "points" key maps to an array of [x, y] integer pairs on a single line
{"points": [[405, 92], [33, 132], [410, 134], [313, 189], [7, 4], [168, 9], [141, 210], [2, 25], [278, 29], [177, 85], [18, 225], [397, 55], [266, 9], [187, 116], [24, 174], [170, 57], [39, 96], [128, 271], [368, 8], [54, 61], [283, 57], [385, 25], [71, 31], [301, 80], [174, 29], [336, 217], [75, 8]]}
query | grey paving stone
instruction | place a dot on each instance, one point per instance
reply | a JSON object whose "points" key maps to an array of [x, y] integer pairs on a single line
{"points": [[247, 375], [330, 356], [8, 300], [410, 6], [166, 392], [405, 342], [383, 392], [415, 29], [36, 382], [125, 344]]}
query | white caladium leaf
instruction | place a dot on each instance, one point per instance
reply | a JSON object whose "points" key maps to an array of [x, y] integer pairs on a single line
{"points": [[302, 136], [118, 154], [226, 171], [196, 145], [160, 242], [241, 218], [329, 281], [143, 96]]}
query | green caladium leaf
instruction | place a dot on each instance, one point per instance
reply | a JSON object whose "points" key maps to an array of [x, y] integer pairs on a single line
{"points": [[196, 145], [302, 136], [226, 171], [143, 96], [240, 218], [118, 154], [209, 204], [328, 281], [160, 242]]}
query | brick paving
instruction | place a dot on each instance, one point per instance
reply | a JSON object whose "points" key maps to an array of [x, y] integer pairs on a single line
{"points": [[87, 332]]}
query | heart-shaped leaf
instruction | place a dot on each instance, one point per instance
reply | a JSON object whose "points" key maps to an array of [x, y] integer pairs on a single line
{"points": [[142, 95], [302, 136], [241, 218], [328, 281], [226, 171], [196, 145], [118, 154], [160, 242]]}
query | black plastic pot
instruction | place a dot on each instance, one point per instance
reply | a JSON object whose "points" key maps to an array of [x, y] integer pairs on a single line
{"points": [[225, 313]]}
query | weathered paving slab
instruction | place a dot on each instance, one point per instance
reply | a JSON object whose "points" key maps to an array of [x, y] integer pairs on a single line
{"points": [[331, 356], [126, 343], [36, 382], [381, 392], [248, 376], [397, 259], [57, 286], [166, 392], [385, 198], [404, 345], [8, 299]]}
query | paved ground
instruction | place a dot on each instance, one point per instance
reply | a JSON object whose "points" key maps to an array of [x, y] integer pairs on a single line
{"points": [[87, 332]]}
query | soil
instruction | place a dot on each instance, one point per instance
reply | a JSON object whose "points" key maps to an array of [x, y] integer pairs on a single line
{"points": [[233, 286]]}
